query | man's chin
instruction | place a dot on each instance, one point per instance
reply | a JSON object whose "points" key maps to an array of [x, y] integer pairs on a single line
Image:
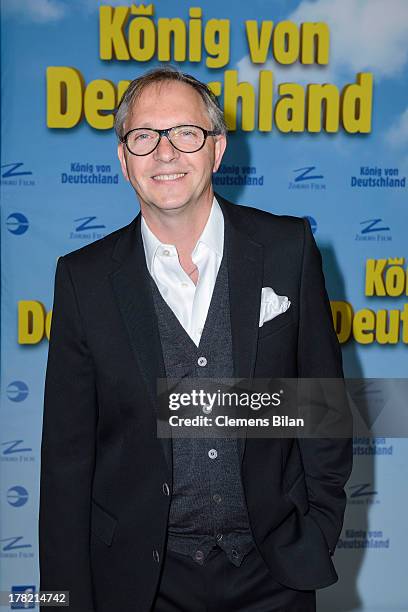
{"points": [[170, 198], [168, 201]]}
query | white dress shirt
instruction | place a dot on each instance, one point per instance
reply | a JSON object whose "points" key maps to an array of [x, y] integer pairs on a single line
{"points": [[189, 302]]}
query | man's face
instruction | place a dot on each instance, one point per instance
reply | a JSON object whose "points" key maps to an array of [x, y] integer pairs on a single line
{"points": [[163, 105]]}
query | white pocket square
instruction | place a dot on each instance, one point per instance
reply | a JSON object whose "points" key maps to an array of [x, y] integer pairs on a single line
{"points": [[272, 305]]}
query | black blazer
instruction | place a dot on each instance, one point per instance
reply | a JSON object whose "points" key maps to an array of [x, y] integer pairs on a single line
{"points": [[103, 500]]}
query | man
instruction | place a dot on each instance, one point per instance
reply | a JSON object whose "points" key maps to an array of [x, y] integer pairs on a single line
{"points": [[129, 521]]}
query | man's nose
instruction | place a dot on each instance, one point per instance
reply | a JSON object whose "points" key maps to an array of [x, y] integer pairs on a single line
{"points": [[165, 150]]}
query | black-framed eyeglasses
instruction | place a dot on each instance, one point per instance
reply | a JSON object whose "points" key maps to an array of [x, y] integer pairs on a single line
{"points": [[184, 138]]}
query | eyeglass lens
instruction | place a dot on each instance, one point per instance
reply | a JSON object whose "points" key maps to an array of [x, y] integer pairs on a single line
{"points": [[186, 138]]}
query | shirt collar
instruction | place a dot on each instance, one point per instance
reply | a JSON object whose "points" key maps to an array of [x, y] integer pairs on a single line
{"points": [[212, 235]]}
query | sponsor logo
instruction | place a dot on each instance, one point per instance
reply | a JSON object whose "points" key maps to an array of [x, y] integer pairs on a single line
{"points": [[362, 494], [238, 175], [372, 446], [15, 175], [307, 178], [17, 496], [17, 223], [362, 538], [376, 177], [85, 229], [17, 391], [15, 548], [374, 230], [89, 174], [16, 451]]}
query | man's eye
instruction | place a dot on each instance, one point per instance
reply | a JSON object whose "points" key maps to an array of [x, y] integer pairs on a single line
{"points": [[188, 133], [144, 136]]}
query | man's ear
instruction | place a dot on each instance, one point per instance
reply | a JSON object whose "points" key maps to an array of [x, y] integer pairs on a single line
{"points": [[220, 146], [122, 159]]}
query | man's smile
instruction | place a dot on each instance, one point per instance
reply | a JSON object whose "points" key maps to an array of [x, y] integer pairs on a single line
{"points": [[169, 177]]}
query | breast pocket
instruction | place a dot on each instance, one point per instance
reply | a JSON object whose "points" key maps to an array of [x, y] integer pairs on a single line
{"points": [[277, 323]]}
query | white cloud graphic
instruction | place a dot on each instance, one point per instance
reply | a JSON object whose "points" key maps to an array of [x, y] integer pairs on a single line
{"points": [[40, 11], [93, 5], [365, 36], [43, 11], [397, 135]]}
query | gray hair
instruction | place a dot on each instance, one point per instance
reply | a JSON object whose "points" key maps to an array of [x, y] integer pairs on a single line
{"points": [[168, 73]]}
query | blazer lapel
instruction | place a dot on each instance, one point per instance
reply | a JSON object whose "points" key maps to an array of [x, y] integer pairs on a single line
{"points": [[245, 275], [245, 272], [130, 282]]}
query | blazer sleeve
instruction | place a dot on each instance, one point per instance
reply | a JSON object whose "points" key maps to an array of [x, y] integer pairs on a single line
{"points": [[327, 462], [67, 451]]}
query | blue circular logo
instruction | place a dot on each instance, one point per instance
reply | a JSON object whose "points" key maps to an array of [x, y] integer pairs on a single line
{"points": [[17, 223], [17, 391], [17, 496]]}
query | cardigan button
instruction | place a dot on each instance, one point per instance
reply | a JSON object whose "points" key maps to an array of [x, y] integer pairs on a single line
{"points": [[166, 489], [156, 556]]}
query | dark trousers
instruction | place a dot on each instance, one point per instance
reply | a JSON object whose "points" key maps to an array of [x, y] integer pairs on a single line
{"points": [[220, 586]]}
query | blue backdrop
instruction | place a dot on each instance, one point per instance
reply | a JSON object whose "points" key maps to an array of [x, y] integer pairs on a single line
{"points": [[64, 64]]}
